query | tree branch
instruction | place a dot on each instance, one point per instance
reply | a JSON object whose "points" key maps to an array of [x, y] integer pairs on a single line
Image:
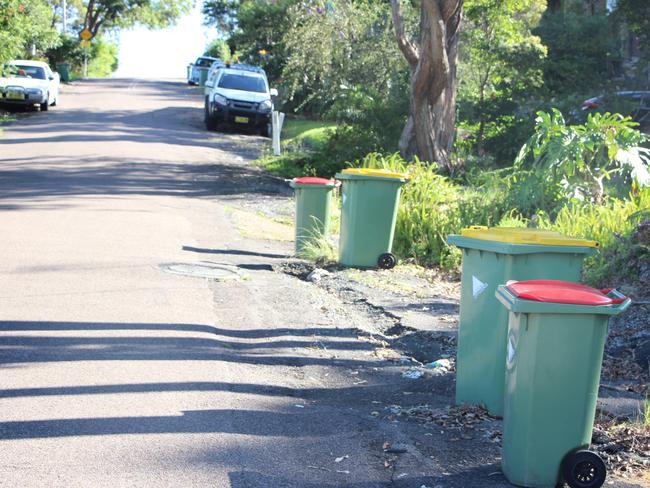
{"points": [[409, 50], [449, 8], [89, 13]]}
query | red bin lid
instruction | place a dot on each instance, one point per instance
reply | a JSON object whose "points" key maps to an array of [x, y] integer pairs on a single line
{"points": [[313, 180], [556, 291]]}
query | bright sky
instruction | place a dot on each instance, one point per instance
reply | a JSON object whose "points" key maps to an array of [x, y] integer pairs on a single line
{"points": [[163, 53]]}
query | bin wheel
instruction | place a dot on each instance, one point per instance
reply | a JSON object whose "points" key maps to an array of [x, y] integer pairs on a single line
{"points": [[584, 469], [387, 261]]}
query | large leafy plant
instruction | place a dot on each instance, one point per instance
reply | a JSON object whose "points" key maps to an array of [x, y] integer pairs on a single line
{"points": [[584, 157]]}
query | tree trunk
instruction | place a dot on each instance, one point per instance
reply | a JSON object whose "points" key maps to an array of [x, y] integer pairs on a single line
{"points": [[429, 130]]}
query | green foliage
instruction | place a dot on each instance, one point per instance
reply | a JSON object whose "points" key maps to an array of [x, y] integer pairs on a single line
{"points": [[339, 44], [256, 30], [582, 50], [111, 14], [24, 23], [635, 14], [103, 58], [500, 67], [582, 157], [218, 49], [612, 223], [311, 133]]}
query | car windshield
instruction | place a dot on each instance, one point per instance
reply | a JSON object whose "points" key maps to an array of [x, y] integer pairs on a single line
{"points": [[243, 83], [204, 62], [20, 71]]}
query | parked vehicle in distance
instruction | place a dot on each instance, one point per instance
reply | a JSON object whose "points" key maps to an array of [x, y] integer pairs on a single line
{"points": [[636, 104], [194, 69], [25, 83], [239, 95]]}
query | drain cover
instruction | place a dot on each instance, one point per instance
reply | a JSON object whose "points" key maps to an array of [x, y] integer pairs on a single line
{"points": [[213, 272]]}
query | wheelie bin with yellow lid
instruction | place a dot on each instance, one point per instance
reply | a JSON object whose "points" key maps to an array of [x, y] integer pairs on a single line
{"points": [[370, 198], [492, 256], [555, 342], [313, 208]]}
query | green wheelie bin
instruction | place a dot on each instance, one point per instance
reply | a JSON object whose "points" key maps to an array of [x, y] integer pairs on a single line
{"points": [[556, 337], [313, 208], [203, 77], [64, 71], [492, 256], [370, 198]]}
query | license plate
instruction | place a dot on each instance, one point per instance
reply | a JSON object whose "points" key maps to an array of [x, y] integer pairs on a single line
{"points": [[241, 120], [15, 96]]}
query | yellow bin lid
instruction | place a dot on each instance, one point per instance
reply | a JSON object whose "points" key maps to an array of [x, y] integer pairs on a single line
{"points": [[522, 235], [383, 173]]}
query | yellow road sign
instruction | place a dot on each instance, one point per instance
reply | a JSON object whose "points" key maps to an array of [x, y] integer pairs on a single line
{"points": [[85, 44], [86, 35]]}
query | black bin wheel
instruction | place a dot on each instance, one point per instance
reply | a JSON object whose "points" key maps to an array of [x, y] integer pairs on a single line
{"points": [[584, 469], [386, 261]]}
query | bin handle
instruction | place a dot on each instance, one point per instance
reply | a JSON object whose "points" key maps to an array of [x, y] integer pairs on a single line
{"points": [[616, 296]]}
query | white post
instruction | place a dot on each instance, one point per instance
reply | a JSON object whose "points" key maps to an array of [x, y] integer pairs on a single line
{"points": [[277, 119], [65, 16]]}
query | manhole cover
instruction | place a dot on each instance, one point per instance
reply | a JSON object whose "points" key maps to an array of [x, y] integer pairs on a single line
{"points": [[220, 273]]}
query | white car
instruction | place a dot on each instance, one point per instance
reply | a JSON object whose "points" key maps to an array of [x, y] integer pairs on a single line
{"points": [[29, 83], [239, 95]]}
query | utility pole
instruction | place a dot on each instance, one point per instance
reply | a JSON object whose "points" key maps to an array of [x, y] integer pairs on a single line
{"points": [[64, 3]]}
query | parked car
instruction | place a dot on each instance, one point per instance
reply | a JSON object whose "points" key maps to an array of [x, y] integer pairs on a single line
{"points": [[194, 69], [239, 95], [636, 104], [26, 83]]}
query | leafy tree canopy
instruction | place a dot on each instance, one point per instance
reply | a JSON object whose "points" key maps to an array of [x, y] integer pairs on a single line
{"points": [[107, 14], [25, 23]]}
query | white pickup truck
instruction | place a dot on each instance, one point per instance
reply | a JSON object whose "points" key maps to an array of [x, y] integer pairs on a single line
{"points": [[239, 95], [24, 82]]}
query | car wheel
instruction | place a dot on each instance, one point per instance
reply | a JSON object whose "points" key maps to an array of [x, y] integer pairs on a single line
{"points": [[45, 106], [54, 102], [267, 130], [210, 122]]}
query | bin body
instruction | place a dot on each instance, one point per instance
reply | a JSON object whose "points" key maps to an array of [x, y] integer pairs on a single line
{"points": [[483, 325], [553, 362], [203, 76], [313, 209], [64, 71], [370, 200]]}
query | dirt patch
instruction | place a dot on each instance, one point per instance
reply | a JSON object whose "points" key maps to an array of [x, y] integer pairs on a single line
{"points": [[255, 226], [625, 447]]}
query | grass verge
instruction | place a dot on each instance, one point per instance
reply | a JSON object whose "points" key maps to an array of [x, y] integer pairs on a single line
{"points": [[300, 140]]}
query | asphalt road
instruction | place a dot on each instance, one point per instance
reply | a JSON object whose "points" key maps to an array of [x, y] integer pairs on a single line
{"points": [[114, 372]]}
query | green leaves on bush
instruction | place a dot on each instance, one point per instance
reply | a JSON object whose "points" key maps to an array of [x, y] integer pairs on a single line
{"points": [[583, 157]]}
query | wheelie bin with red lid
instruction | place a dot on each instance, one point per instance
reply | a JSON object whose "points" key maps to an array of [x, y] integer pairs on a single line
{"points": [[313, 208], [555, 342]]}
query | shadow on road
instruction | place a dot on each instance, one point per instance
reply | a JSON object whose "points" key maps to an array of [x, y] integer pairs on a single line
{"points": [[101, 176], [16, 349], [236, 252]]}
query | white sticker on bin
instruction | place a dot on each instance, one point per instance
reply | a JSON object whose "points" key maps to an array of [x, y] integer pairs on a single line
{"points": [[478, 287], [511, 350]]}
